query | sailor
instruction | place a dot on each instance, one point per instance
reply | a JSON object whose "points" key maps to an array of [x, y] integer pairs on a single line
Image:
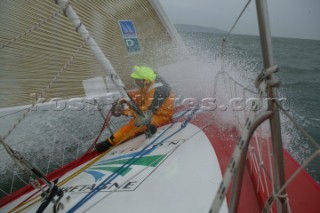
{"points": [[154, 98]]}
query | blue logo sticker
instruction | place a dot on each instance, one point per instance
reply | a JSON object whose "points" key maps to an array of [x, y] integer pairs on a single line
{"points": [[127, 29]]}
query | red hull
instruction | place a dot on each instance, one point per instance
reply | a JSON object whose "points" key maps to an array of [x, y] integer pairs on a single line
{"points": [[303, 191]]}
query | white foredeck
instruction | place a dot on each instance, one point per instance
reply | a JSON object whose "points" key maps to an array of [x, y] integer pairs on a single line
{"points": [[181, 175]]}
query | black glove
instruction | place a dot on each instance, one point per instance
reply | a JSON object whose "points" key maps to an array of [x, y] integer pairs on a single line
{"points": [[118, 107], [151, 130]]}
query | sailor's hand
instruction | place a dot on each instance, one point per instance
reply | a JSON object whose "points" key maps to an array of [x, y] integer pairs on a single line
{"points": [[118, 106]]}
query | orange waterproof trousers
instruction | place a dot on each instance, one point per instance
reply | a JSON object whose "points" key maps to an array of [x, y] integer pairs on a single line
{"points": [[146, 98], [129, 130]]}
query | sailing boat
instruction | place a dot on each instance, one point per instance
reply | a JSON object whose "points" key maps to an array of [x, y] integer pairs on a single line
{"points": [[187, 166]]}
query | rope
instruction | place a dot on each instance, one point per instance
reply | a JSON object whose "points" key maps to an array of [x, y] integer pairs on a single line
{"points": [[129, 163], [106, 123], [261, 170], [261, 164]]}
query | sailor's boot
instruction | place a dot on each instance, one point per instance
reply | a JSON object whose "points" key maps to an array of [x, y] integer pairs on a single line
{"points": [[104, 145]]}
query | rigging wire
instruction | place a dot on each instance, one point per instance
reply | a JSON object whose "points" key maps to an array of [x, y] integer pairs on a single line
{"points": [[229, 32], [223, 72], [236, 22]]}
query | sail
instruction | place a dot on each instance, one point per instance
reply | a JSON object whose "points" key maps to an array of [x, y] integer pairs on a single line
{"points": [[44, 58], [40, 51]]}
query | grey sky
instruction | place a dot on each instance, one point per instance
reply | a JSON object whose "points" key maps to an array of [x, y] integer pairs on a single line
{"points": [[288, 18]]}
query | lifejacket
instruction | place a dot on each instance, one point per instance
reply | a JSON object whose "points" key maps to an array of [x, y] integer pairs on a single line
{"points": [[155, 96]]}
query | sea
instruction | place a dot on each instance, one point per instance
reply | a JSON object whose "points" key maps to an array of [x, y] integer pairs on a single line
{"points": [[299, 74]]}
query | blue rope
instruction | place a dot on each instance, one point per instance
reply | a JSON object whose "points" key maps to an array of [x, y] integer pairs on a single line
{"points": [[134, 158]]}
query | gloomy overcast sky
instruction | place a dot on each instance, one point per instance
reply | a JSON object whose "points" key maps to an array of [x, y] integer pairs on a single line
{"points": [[288, 18]]}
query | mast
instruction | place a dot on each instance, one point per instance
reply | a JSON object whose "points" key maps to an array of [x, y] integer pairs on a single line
{"points": [[266, 46]]}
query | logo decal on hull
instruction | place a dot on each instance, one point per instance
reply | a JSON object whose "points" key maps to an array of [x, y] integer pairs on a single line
{"points": [[114, 165], [130, 169]]}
